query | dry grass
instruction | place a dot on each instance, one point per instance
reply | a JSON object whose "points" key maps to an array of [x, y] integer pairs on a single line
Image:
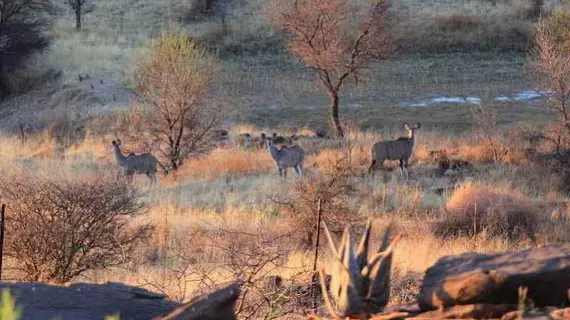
{"points": [[493, 211], [225, 196], [229, 188], [223, 162]]}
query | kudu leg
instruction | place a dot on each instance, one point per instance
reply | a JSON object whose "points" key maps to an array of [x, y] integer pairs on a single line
{"points": [[372, 167], [152, 178], [402, 167]]}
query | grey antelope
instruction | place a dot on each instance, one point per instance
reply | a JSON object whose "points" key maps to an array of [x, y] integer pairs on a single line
{"points": [[287, 157], [400, 149], [135, 163]]}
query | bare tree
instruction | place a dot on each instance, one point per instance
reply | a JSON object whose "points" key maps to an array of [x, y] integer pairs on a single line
{"points": [[325, 195], [22, 32], [551, 60], [485, 121], [80, 8], [251, 259], [174, 82], [336, 39], [58, 228]]}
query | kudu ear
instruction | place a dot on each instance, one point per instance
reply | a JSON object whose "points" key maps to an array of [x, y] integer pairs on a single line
{"points": [[418, 126], [406, 126]]}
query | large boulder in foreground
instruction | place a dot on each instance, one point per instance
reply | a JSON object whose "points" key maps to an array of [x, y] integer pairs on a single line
{"points": [[87, 301], [473, 278], [217, 305]]}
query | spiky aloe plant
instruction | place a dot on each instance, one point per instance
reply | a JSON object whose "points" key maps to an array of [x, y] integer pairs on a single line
{"points": [[359, 284]]}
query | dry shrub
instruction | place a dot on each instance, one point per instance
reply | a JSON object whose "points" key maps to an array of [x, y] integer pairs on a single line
{"points": [[200, 9], [422, 153], [456, 22], [497, 30], [479, 153], [37, 146], [517, 156], [497, 212], [67, 132], [58, 228], [174, 82], [326, 160], [332, 189]]}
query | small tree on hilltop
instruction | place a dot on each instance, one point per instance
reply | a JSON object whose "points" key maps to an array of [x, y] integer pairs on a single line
{"points": [[80, 8], [174, 81], [336, 39]]}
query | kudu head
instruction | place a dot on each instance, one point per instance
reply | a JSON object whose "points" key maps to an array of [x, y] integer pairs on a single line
{"points": [[268, 141], [116, 144], [412, 130]]}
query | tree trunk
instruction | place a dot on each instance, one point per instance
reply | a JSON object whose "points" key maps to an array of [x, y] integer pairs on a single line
{"points": [[334, 114], [4, 89], [78, 19]]}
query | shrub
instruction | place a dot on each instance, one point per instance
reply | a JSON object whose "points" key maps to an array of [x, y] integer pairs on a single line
{"points": [[333, 189], [173, 82], [23, 26], [456, 22], [58, 228], [497, 212]]}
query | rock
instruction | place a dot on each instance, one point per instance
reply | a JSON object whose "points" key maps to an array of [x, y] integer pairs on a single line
{"points": [[392, 316], [495, 278], [217, 305], [86, 301], [403, 311], [469, 311], [547, 314]]}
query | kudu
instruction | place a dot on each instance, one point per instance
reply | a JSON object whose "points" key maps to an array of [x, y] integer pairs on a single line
{"points": [[133, 164], [287, 157], [400, 149]]}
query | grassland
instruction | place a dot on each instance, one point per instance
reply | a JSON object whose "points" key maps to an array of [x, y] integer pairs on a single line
{"points": [[464, 49]]}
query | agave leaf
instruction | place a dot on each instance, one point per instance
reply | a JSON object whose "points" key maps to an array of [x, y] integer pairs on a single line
{"points": [[362, 251], [379, 276], [350, 299], [337, 273], [332, 245], [328, 303], [342, 245], [386, 237], [379, 285]]}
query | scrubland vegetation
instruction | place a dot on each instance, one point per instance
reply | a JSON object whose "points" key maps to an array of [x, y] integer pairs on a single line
{"points": [[168, 76]]}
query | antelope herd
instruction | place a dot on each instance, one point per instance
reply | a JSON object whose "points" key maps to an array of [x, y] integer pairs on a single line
{"points": [[284, 150]]}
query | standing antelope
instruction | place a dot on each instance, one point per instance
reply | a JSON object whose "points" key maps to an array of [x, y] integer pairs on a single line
{"points": [[400, 149], [287, 157], [135, 163]]}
